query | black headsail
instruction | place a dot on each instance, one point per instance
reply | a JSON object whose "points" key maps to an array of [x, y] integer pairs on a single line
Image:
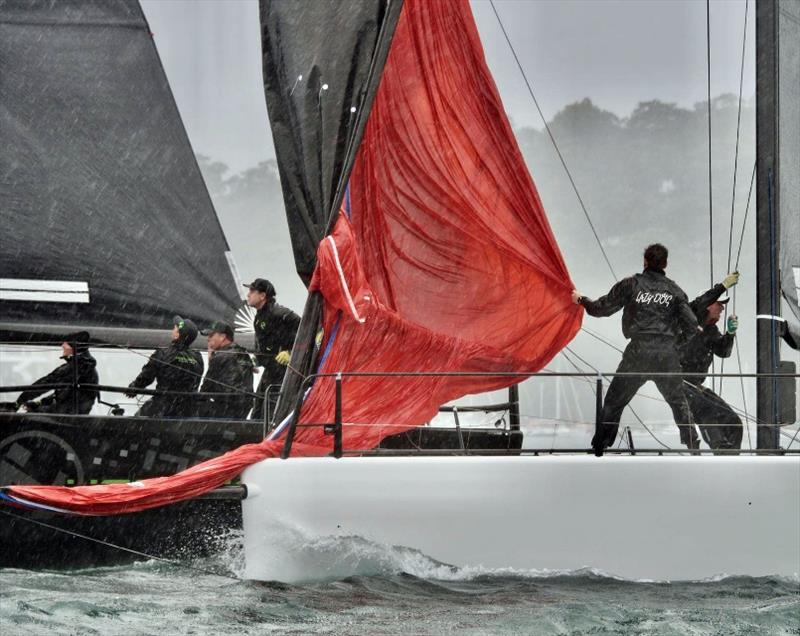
{"points": [[778, 219], [106, 221], [322, 66]]}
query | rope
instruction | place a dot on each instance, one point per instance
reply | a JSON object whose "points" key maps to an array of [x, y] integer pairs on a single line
{"points": [[794, 437], [710, 182], [553, 140], [72, 533], [744, 396]]}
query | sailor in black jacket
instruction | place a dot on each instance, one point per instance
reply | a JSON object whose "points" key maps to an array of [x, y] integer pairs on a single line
{"points": [[654, 311], [76, 358], [230, 371], [176, 368], [276, 327], [719, 424]]}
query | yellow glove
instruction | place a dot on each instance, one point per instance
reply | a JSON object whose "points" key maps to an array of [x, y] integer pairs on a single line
{"points": [[283, 358], [730, 280]]}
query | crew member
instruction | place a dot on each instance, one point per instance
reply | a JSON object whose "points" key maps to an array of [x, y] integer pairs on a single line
{"points": [[719, 425], [230, 371], [655, 310], [276, 328], [79, 367], [175, 368]]}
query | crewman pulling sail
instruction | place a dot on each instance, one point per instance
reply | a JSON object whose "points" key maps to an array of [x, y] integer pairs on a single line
{"points": [[654, 311], [719, 424]]}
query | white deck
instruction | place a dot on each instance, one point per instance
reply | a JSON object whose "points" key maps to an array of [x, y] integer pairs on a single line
{"points": [[639, 517]]}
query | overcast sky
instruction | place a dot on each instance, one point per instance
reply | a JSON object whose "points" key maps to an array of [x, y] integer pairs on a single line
{"points": [[618, 53]]}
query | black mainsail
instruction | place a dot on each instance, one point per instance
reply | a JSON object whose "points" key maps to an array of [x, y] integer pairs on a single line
{"points": [[107, 223]]}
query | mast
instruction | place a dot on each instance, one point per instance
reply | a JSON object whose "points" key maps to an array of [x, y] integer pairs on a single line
{"points": [[768, 299]]}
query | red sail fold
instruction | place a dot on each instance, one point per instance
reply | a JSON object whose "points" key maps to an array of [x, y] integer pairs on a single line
{"points": [[446, 263]]}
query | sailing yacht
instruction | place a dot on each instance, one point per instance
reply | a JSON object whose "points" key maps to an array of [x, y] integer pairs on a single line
{"points": [[434, 273], [435, 148]]}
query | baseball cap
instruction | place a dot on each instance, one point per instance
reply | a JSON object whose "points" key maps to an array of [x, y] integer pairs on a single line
{"points": [[262, 285], [218, 326]]}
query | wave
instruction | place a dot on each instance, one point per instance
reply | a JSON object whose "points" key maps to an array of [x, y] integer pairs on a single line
{"points": [[330, 558]]}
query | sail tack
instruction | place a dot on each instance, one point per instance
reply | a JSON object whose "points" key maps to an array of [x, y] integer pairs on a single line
{"points": [[99, 189]]}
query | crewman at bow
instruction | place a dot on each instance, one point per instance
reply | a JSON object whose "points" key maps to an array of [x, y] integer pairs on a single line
{"points": [[276, 327]]}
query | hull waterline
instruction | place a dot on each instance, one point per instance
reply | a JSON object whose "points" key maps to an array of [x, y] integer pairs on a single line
{"points": [[638, 517]]}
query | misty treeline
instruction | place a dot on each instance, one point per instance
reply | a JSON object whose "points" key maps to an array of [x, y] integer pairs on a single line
{"points": [[642, 178]]}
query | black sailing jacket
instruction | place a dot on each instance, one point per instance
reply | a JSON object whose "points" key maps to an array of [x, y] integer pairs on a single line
{"points": [[276, 327], [651, 303], [176, 368], [63, 400], [230, 370], [698, 350]]}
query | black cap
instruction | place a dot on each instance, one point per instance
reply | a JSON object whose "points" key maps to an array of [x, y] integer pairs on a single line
{"points": [[187, 329], [219, 326], [262, 285], [78, 340]]}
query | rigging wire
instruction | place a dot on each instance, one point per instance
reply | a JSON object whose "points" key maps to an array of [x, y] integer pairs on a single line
{"points": [[122, 548], [597, 336], [738, 131], [553, 140], [710, 181], [744, 222], [735, 174]]}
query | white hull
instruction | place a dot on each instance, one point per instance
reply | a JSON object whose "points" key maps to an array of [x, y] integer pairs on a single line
{"points": [[638, 517]]}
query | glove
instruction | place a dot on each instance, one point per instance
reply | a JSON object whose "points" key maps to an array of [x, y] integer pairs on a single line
{"points": [[130, 394], [730, 280], [283, 358], [733, 325]]}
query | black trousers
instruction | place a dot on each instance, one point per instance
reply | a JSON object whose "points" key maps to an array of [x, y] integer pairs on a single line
{"points": [[167, 406], [719, 424], [645, 355]]}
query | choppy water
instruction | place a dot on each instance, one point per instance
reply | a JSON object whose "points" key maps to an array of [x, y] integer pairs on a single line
{"points": [[398, 592]]}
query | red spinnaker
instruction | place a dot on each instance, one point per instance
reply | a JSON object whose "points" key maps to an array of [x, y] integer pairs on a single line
{"points": [[446, 263]]}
